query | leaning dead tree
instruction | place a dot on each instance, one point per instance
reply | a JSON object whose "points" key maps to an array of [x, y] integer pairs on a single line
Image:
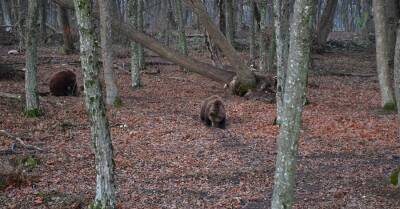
{"points": [[245, 79]]}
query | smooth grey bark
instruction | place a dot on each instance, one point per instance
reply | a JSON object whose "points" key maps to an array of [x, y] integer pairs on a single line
{"points": [[281, 23], [397, 77], [229, 21], [135, 13], [105, 188], [382, 54], [326, 23], [289, 132], [182, 44], [31, 94], [6, 14], [106, 7]]}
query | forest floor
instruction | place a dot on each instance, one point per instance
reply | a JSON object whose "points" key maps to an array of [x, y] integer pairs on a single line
{"points": [[165, 157]]}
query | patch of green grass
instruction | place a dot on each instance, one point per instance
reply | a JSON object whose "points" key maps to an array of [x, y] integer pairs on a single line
{"points": [[390, 106], [117, 102], [33, 113], [29, 161], [394, 176]]}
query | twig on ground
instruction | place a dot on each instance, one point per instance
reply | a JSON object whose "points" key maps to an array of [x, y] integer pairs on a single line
{"points": [[19, 140]]}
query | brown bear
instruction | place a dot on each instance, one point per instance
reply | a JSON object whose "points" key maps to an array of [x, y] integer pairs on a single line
{"points": [[63, 83], [212, 112]]}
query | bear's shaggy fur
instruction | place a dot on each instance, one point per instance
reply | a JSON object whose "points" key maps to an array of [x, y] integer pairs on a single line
{"points": [[212, 112], [63, 83]]}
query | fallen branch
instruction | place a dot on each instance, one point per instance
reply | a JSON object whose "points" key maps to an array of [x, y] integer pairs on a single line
{"points": [[8, 95], [19, 140]]}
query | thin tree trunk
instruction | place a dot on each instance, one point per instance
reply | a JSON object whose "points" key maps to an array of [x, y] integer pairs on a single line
{"points": [[182, 44], [397, 77], [392, 16], [6, 14], [17, 11], [326, 22], [32, 99], [105, 188], [43, 20], [262, 37], [289, 132], [221, 7], [229, 21], [253, 30], [382, 55], [281, 10], [136, 19], [68, 44], [106, 7]]}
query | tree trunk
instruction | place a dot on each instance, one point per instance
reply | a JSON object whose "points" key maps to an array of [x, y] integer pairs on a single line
{"points": [[182, 44], [246, 80], [32, 99], [105, 189], [229, 21], [397, 77], [289, 132], [392, 16], [106, 7], [136, 19], [262, 37], [382, 55], [221, 7], [326, 22], [17, 11], [281, 10], [6, 14], [253, 30], [68, 43], [43, 20]]}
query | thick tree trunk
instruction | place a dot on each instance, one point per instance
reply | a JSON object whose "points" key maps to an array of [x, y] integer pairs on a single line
{"points": [[326, 23], [246, 80], [68, 43], [6, 14], [32, 99], [289, 132], [382, 54], [106, 7], [281, 10], [397, 77], [105, 189]]}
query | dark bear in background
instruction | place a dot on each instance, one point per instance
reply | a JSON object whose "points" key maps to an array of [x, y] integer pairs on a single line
{"points": [[63, 83], [212, 112]]}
